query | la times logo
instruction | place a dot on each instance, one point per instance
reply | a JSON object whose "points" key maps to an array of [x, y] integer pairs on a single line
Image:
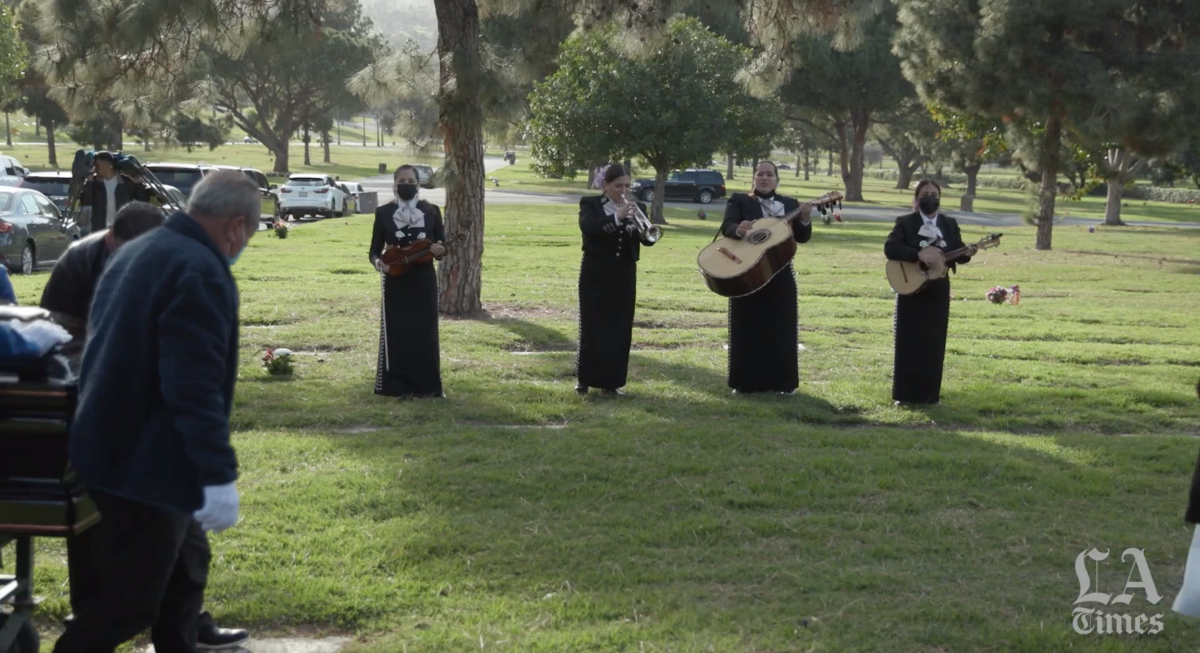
{"points": [[1103, 620]]}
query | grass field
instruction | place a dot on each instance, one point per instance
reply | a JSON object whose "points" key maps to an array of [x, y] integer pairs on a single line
{"points": [[516, 516], [876, 192]]}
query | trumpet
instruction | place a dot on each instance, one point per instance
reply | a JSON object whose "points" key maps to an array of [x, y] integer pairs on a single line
{"points": [[649, 233]]}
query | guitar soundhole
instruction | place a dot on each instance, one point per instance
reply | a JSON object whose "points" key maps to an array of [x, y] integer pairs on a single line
{"points": [[759, 237]]}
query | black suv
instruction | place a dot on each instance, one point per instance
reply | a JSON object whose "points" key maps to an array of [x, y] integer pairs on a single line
{"points": [[688, 185]]}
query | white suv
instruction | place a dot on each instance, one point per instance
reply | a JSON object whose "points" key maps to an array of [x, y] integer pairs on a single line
{"points": [[311, 194]]}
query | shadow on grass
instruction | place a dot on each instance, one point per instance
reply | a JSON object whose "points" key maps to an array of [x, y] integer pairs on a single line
{"points": [[730, 538]]}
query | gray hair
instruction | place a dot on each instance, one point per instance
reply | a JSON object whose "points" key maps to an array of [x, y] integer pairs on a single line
{"points": [[224, 195]]}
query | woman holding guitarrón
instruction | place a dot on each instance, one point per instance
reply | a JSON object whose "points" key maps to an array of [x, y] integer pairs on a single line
{"points": [[409, 360], [922, 318], [763, 329]]}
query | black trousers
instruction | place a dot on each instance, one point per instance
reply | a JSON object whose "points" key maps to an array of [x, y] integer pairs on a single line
{"points": [[140, 567]]}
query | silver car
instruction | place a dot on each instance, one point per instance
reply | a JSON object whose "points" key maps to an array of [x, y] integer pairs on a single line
{"points": [[32, 231]]}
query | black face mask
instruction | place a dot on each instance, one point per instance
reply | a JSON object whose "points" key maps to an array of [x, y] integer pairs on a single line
{"points": [[406, 191], [929, 204]]}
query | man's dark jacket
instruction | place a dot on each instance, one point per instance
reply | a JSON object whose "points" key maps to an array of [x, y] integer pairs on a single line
{"points": [[158, 372], [95, 195], [73, 281]]}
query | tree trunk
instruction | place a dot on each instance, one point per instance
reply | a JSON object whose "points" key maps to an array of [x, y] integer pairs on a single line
{"points": [[1121, 167], [906, 175], [281, 151], [461, 118], [7, 131], [50, 144], [972, 172], [1048, 163], [364, 130], [307, 140], [799, 161], [326, 139], [1112, 208], [854, 186], [37, 126], [830, 173], [339, 130], [660, 191], [806, 163], [729, 171]]}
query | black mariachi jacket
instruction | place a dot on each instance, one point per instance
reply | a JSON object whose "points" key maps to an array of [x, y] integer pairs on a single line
{"points": [[742, 206], [602, 236], [904, 242], [387, 233]]}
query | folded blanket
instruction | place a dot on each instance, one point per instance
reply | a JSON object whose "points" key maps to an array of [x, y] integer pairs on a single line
{"points": [[33, 339]]}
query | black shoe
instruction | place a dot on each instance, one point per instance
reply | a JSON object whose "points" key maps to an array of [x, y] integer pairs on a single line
{"points": [[581, 389], [212, 638]]}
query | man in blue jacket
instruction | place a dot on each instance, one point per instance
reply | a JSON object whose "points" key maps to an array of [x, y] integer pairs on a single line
{"points": [[151, 432]]}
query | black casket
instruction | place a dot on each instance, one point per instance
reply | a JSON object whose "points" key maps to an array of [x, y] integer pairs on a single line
{"points": [[39, 494]]}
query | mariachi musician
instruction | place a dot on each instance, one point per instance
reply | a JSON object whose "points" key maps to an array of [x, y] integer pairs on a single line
{"points": [[409, 359], [614, 229], [923, 318], [763, 329]]}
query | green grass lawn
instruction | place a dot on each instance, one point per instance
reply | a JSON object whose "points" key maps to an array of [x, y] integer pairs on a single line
{"points": [[516, 516], [876, 192]]}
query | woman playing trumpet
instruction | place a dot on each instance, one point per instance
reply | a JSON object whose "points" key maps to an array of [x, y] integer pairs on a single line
{"points": [[613, 232], [409, 363]]}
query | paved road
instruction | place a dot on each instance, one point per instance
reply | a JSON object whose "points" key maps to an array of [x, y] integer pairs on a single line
{"points": [[383, 185]]}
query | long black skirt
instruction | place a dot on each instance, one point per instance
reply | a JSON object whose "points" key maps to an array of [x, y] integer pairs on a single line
{"points": [[764, 337], [607, 293], [409, 359], [1192, 516], [920, 341]]}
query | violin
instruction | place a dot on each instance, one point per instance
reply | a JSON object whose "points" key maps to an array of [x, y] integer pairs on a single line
{"points": [[400, 259]]}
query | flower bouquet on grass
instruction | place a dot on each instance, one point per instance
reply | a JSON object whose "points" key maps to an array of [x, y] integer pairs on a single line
{"points": [[1000, 294], [278, 361], [281, 228]]}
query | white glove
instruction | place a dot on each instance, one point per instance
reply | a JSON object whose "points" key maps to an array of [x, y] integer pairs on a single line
{"points": [[43, 334], [1187, 602], [220, 509]]}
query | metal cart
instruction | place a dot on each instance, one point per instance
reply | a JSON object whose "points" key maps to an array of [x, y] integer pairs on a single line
{"points": [[39, 495]]}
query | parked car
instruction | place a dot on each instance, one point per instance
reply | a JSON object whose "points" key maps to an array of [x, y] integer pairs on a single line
{"points": [[311, 194], [270, 201], [11, 171], [183, 176], [32, 231], [688, 185], [177, 201], [425, 175], [351, 190], [54, 185]]}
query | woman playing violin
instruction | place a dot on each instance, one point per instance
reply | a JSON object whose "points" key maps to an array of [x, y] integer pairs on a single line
{"points": [[409, 360]]}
